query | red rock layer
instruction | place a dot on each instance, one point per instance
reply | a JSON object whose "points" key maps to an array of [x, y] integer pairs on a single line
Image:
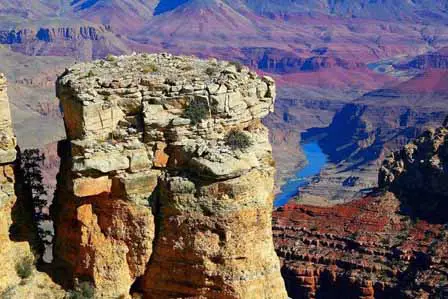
{"points": [[364, 249]]}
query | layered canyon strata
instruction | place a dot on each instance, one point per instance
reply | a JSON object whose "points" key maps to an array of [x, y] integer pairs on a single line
{"points": [[166, 179], [390, 244]]}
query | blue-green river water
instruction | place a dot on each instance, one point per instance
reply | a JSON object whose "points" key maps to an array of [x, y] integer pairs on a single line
{"points": [[316, 161]]}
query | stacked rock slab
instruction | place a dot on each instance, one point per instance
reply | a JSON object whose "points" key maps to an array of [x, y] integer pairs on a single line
{"points": [[149, 189]]}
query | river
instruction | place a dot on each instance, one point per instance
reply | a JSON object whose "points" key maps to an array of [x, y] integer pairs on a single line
{"points": [[316, 160]]}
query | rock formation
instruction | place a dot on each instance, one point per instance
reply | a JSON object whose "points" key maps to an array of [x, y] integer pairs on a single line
{"points": [[378, 246], [418, 174], [83, 40], [166, 179], [365, 249], [7, 193]]}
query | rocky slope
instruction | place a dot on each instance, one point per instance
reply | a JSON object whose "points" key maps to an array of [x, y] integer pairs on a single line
{"points": [[377, 246], [363, 249], [417, 174], [167, 170], [7, 192]]}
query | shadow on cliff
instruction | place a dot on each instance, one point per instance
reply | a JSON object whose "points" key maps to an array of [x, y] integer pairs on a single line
{"points": [[60, 272], [23, 227], [423, 206]]}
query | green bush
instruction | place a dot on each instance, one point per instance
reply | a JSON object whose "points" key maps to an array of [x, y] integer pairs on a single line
{"points": [[111, 58], [25, 266], [238, 140], [211, 71], [150, 68], [196, 111], [83, 290]]}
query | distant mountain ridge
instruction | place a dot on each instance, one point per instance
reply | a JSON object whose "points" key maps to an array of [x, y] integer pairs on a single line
{"points": [[400, 10]]}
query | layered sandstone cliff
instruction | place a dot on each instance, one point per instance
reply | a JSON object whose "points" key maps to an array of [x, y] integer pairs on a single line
{"points": [[166, 180], [81, 40]]}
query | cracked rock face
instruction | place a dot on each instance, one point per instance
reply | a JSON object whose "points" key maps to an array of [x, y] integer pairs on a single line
{"points": [[418, 174], [7, 138], [7, 194], [150, 189], [10, 251]]}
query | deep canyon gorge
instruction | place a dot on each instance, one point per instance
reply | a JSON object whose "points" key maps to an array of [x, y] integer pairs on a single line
{"points": [[160, 171]]}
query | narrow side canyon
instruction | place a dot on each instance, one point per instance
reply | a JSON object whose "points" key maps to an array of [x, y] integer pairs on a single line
{"points": [[18, 237]]}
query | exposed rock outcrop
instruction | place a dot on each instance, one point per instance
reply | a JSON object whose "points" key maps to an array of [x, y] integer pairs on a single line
{"points": [[364, 249], [83, 41], [378, 246], [7, 138], [362, 133], [166, 183], [7, 192], [418, 174]]}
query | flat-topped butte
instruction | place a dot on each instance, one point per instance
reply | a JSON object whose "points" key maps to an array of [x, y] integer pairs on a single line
{"points": [[129, 114], [177, 139], [165, 80]]}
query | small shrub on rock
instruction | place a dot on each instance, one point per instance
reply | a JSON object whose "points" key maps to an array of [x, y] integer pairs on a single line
{"points": [[83, 290], [211, 71], [237, 139], [111, 58], [150, 68], [196, 111], [25, 266]]}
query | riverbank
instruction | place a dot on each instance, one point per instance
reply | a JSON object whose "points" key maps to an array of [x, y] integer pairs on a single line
{"points": [[316, 161]]}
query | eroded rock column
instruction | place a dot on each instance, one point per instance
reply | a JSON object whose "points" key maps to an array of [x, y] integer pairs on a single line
{"points": [[10, 251], [168, 178]]}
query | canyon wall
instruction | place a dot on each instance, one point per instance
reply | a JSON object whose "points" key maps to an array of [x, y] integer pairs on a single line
{"points": [[8, 249], [418, 175], [82, 40], [390, 244], [166, 179]]}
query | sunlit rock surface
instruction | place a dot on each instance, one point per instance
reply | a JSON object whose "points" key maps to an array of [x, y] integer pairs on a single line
{"points": [[150, 192]]}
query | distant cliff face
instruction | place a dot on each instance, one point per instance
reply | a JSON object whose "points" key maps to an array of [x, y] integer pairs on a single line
{"points": [[418, 175], [166, 183], [83, 41]]}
